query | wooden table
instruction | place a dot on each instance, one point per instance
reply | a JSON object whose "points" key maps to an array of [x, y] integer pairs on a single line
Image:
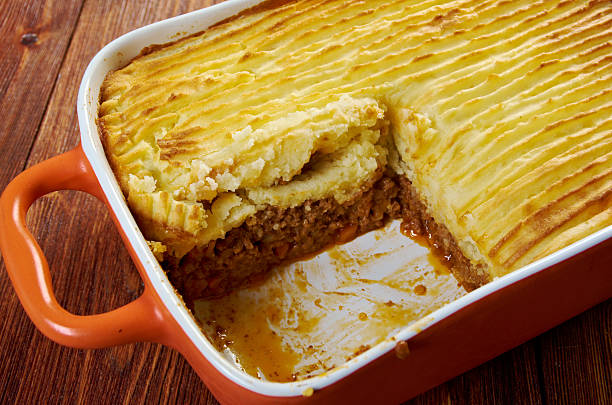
{"points": [[47, 45]]}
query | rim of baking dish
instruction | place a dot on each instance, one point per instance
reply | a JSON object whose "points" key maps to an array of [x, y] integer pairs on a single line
{"points": [[117, 54]]}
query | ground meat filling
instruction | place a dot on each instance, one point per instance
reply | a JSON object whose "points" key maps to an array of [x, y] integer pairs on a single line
{"points": [[279, 235], [416, 218]]}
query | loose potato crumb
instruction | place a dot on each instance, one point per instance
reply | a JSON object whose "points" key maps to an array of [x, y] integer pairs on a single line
{"points": [[308, 392]]}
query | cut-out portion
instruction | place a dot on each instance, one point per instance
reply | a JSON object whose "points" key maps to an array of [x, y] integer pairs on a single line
{"points": [[311, 316]]}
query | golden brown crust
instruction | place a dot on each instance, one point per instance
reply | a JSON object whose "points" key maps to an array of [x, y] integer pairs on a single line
{"points": [[499, 114], [258, 8]]}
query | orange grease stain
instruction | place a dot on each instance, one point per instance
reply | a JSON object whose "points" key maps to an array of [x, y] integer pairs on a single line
{"points": [[258, 349], [435, 257]]}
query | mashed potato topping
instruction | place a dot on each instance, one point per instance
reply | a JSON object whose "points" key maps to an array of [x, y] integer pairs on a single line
{"points": [[498, 112]]}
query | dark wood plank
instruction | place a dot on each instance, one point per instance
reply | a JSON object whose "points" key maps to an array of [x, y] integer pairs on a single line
{"points": [[511, 378], [35, 39], [35, 36], [576, 359], [92, 273]]}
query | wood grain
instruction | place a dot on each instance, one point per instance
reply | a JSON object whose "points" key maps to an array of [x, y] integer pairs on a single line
{"points": [[92, 272], [29, 68], [580, 352]]}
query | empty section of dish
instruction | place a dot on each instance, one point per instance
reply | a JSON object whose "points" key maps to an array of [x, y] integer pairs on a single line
{"points": [[312, 316]]}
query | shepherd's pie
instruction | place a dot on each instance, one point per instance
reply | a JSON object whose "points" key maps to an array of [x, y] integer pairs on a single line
{"points": [[485, 125]]}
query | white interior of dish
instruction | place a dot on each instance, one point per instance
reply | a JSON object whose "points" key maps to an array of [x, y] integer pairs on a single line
{"points": [[308, 317], [121, 51]]}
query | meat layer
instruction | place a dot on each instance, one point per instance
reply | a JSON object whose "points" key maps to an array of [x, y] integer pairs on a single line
{"points": [[277, 235]]}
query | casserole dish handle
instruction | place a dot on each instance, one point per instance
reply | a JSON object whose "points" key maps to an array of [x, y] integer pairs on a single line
{"points": [[27, 267]]}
